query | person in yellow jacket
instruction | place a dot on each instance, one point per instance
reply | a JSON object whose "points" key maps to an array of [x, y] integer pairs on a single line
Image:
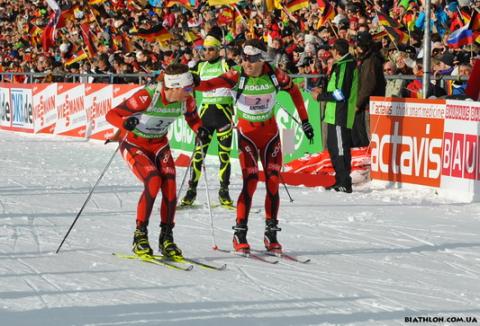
{"points": [[216, 112]]}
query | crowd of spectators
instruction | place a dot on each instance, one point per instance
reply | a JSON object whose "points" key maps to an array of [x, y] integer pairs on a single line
{"points": [[143, 36]]}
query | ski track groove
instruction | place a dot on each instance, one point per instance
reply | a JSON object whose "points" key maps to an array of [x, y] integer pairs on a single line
{"points": [[120, 202], [44, 278], [266, 288], [37, 293], [4, 209], [33, 230], [416, 239]]}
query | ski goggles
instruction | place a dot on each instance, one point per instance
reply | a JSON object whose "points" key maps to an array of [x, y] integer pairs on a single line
{"points": [[188, 89], [252, 58]]}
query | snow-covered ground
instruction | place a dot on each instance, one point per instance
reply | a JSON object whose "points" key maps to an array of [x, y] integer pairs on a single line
{"points": [[378, 255]]}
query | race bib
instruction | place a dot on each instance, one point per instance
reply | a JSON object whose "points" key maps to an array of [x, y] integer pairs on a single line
{"points": [[152, 125], [257, 103]]}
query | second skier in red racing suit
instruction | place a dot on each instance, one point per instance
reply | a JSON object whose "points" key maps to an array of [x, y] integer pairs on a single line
{"points": [[254, 85]]}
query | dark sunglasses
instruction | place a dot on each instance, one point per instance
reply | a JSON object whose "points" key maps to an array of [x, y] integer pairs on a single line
{"points": [[252, 58]]}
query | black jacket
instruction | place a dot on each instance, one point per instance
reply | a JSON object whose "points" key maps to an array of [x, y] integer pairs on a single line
{"points": [[371, 78]]}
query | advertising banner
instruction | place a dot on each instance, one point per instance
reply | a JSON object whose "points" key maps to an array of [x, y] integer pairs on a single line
{"points": [[182, 137], [406, 141], [71, 114], [5, 107], [461, 154], [98, 101], [44, 108], [16, 108]]}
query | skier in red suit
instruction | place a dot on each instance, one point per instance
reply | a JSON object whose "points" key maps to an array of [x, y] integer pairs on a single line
{"points": [[143, 120], [254, 85]]}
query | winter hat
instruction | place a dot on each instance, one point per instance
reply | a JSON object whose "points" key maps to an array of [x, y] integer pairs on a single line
{"points": [[364, 40], [447, 58], [452, 6]]}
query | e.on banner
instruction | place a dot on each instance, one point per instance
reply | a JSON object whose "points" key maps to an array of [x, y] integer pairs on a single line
{"points": [[406, 140], [98, 101], [461, 154], [44, 109]]}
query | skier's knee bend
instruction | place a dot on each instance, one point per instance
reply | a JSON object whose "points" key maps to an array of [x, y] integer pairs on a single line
{"points": [[152, 185]]}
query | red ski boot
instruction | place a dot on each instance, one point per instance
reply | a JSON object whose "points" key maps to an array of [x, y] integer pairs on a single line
{"points": [[270, 239], [240, 243]]}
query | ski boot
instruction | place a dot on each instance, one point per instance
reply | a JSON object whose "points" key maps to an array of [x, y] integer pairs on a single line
{"points": [[167, 247], [240, 243], [141, 246], [224, 196], [189, 197], [270, 238]]}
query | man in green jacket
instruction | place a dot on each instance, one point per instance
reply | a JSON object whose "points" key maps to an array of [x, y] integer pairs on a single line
{"points": [[341, 97]]}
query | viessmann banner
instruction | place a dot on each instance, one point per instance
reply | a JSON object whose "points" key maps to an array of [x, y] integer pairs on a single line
{"points": [[431, 143], [78, 110]]}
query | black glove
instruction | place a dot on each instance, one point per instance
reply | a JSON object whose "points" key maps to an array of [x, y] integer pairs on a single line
{"points": [[308, 130], [130, 123], [203, 135], [196, 80]]}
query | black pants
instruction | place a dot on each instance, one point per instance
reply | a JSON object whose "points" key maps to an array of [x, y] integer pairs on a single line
{"points": [[360, 137], [216, 118], [338, 145]]}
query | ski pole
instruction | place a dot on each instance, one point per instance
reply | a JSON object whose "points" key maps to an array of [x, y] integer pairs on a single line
{"points": [[290, 115], [186, 173], [88, 198], [280, 174], [215, 247], [285, 186]]}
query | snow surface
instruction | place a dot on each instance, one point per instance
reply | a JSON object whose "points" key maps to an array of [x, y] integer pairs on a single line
{"points": [[378, 255]]}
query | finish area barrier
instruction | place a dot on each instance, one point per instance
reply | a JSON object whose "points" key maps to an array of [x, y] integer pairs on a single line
{"points": [[78, 110], [433, 143]]}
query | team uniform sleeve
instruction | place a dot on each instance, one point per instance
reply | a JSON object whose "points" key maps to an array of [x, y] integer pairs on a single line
{"points": [[138, 102], [191, 114], [286, 84], [226, 80]]}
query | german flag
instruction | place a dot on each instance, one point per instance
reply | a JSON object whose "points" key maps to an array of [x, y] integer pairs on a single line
{"points": [[476, 37], [79, 56], [221, 2], [181, 3], [36, 34], [225, 16], [295, 5], [409, 20], [157, 33], [386, 20], [475, 21], [396, 35], [377, 37], [328, 13]]}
